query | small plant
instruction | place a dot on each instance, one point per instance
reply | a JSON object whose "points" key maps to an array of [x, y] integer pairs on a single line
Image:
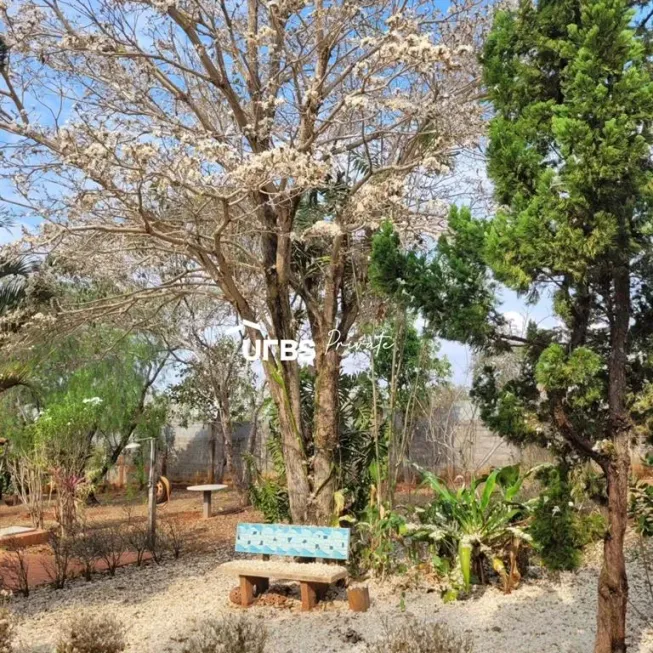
{"points": [[270, 497], [137, 540], [85, 551], [62, 552], [7, 631], [417, 637], [376, 542], [111, 544], [174, 537], [478, 524], [232, 635], [88, 633], [16, 568]]}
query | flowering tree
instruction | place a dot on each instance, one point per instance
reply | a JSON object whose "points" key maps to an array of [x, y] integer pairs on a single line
{"points": [[245, 149]]}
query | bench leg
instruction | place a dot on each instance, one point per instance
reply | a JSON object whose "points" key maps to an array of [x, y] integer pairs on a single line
{"points": [[246, 591], [250, 587], [312, 593]]}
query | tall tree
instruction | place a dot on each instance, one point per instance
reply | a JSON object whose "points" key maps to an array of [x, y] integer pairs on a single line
{"points": [[570, 157], [246, 146]]}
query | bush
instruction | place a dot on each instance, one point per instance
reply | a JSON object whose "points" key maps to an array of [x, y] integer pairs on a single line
{"points": [[62, 552], [89, 633], [85, 551], [16, 568], [175, 537], [232, 635], [417, 637], [558, 530], [270, 497], [590, 528], [137, 540], [6, 631], [111, 544], [641, 507]]}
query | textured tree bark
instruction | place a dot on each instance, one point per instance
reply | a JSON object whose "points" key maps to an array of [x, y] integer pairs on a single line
{"points": [[325, 432], [286, 398], [613, 584]]}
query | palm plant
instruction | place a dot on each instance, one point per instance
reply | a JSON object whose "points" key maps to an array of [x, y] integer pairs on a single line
{"points": [[14, 273]]}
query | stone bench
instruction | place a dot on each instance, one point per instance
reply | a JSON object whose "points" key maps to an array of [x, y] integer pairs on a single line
{"points": [[289, 541]]}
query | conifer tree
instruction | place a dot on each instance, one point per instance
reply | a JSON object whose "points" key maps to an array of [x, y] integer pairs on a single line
{"points": [[570, 157]]}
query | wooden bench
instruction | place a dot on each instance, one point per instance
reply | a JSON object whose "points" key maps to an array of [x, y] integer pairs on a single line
{"points": [[296, 541]]}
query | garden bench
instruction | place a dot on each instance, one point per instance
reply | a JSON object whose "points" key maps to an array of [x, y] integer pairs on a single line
{"points": [[290, 541]]}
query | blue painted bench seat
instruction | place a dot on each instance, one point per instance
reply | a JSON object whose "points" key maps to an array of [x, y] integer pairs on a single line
{"points": [[318, 542]]}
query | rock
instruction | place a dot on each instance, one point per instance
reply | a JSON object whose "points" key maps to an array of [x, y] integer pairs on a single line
{"points": [[234, 595], [352, 636]]}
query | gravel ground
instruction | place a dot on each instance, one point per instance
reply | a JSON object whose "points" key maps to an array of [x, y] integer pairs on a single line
{"points": [[159, 604]]}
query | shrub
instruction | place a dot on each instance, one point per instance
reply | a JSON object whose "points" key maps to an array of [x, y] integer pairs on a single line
{"points": [[88, 633], [85, 551], [62, 552], [16, 568], [270, 497], [418, 637], [590, 528], [137, 540], [6, 631], [641, 507], [477, 524], [111, 544], [376, 542], [174, 537], [555, 525], [232, 635]]}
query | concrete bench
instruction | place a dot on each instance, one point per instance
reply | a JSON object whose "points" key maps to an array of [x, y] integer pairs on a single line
{"points": [[290, 541]]}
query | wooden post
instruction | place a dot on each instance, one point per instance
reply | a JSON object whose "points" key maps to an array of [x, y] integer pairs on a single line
{"points": [[359, 599], [151, 496]]}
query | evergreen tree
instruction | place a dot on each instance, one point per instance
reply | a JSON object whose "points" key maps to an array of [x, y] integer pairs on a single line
{"points": [[570, 158]]}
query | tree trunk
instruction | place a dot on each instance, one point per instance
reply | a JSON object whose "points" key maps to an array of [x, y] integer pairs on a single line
{"points": [[228, 437], [325, 434], [613, 584], [285, 394], [213, 441]]}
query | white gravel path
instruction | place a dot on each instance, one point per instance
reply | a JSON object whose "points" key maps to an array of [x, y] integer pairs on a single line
{"points": [[158, 605]]}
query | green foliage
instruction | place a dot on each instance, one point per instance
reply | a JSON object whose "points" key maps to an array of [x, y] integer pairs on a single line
{"points": [[418, 637], [553, 527], [455, 276], [559, 530], [476, 521], [269, 492], [641, 507], [377, 543], [571, 92], [270, 497]]}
